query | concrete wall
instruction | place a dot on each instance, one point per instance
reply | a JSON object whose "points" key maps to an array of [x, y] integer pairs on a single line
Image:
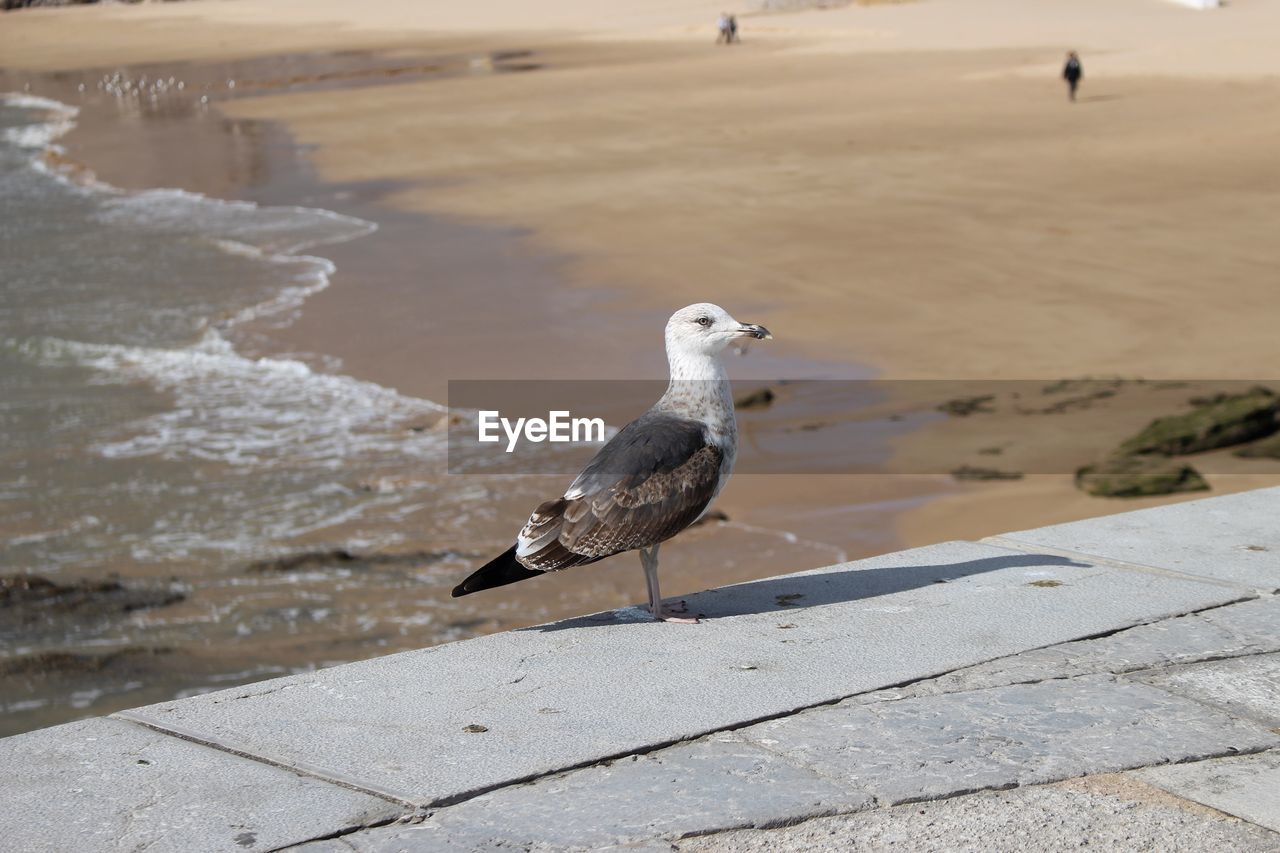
{"points": [[1117, 644]]}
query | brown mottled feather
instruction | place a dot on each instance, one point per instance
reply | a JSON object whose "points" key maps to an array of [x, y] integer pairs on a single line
{"points": [[635, 512]]}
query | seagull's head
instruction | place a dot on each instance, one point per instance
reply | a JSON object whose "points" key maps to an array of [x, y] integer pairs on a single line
{"points": [[707, 329]]}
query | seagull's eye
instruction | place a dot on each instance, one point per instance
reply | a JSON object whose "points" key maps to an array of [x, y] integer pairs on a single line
{"points": [[704, 321]]}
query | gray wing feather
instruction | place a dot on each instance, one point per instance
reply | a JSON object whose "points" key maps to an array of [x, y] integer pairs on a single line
{"points": [[652, 480]]}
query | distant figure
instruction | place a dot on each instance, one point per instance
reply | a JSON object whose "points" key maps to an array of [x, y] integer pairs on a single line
{"points": [[1072, 73], [723, 33], [733, 28]]}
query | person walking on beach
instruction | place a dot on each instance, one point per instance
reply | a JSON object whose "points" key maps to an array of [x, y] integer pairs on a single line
{"points": [[733, 29], [1072, 73], [722, 29]]}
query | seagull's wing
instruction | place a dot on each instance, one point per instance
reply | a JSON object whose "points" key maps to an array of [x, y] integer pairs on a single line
{"points": [[652, 480]]}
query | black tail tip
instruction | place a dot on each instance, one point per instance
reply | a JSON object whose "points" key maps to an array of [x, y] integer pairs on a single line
{"points": [[499, 571]]}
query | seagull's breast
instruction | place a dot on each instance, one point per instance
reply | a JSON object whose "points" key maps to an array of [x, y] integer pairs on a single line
{"points": [[710, 403]]}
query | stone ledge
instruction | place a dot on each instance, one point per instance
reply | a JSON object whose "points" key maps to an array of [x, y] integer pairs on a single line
{"points": [[610, 685], [992, 666]]}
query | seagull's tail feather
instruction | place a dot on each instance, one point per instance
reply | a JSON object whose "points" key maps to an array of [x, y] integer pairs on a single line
{"points": [[499, 571]]}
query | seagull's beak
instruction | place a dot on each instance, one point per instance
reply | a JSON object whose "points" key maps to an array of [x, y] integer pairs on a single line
{"points": [[751, 330]]}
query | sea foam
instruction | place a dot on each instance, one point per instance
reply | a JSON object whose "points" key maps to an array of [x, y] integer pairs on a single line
{"points": [[140, 290], [243, 411], [38, 136]]}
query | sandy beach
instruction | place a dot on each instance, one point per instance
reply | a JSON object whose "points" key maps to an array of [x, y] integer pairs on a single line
{"points": [[899, 190], [929, 212]]}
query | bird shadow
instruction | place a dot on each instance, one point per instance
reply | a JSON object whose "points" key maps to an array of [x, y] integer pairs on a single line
{"points": [[1097, 99], [798, 592]]}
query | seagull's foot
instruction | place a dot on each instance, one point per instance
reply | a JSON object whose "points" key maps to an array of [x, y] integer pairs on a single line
{"points": [[672, 614]]}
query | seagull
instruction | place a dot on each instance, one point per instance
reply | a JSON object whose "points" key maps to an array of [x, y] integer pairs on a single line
{"points": [[655, 477]]}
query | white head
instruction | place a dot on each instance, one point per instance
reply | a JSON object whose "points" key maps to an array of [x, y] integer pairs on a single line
{"points": [[705, 329]]}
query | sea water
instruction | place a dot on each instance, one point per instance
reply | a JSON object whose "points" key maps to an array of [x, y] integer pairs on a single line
{"points": [[133, 430], [137, 439]]}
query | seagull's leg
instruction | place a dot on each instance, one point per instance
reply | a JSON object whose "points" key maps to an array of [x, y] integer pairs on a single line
{"points": [[649, 559]]}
